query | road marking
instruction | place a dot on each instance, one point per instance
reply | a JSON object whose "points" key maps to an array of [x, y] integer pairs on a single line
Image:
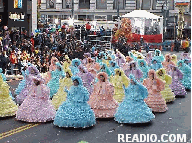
{"points": [[17, 130]]}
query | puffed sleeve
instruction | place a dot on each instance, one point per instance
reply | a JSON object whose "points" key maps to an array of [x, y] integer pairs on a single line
{"points": [[143, 92], [126, 81], [168, 79], [160, 85]]}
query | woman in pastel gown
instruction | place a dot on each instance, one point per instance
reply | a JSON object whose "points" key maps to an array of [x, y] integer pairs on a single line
{"points": [[52, 67], [74, 66], [154, 86], [85, 60], [86, 77], [167, 93], [22, 83], [167, 63], [120, 59], [125, 66], [144, 68], [7, 105], [61, 95], [67, 63], [101, 100], [155, 64], [159, 56], [56, 74], [149, 58], [113, 66], [75, 111], [36, 107], [118, 80], [105, 69], [134, 70], [33, 71], [133, 109], [176, 86], [185, 56], [187, 62], [174, 59], [92, 64], [186, 70], [4, 79]]}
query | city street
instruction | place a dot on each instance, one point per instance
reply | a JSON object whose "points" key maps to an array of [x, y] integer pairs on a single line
{"points": [[177, 120]]}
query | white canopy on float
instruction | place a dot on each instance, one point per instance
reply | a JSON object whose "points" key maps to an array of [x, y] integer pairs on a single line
{"points": [[139, 18], [142, 14]]}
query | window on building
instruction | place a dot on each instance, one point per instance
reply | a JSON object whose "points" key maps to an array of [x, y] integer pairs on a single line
{"points": [[101, 4], [109, 18], [51, 3], [84, 4], [67, 3], [146, 4], [157, 4], [120, 2], [81, 17], [90, 17]]}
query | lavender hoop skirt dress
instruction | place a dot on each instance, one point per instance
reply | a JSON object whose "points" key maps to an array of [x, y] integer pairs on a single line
{"points": [[37, 106]]}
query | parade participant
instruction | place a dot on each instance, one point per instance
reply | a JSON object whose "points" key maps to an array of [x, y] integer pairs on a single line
{"points": [[74, 66], [61, 95], [92, 64], [149, 58], [155, 64], [167, 63], [85, 60], [118, 80], [101, 100], [105, 69], [167, 93], [4, 79], [86, 77], [185, 56], [159, 56], [36, 107], [33, 71], [174, 59], [22, 83], [134, 70], [132, 56], [144, 68], [120, 58], [176, 86], [133, 109], [7, 105], [75, 111], [186, 70], [56, 74], [154, 86], [52, 67], [125, 66], [187, 62], [113, 66], [67, 63]]}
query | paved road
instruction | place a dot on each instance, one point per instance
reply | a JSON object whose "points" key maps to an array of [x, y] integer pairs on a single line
{"points": [[177, 120]]}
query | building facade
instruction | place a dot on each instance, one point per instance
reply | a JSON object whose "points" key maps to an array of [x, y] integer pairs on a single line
{"points": [[53, 11]]}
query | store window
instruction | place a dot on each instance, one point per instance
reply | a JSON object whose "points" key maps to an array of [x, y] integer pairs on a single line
{"points": [[101, 4], [146, 4], [120, 2], [51, 3], [84, 4], [82, 17]]}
